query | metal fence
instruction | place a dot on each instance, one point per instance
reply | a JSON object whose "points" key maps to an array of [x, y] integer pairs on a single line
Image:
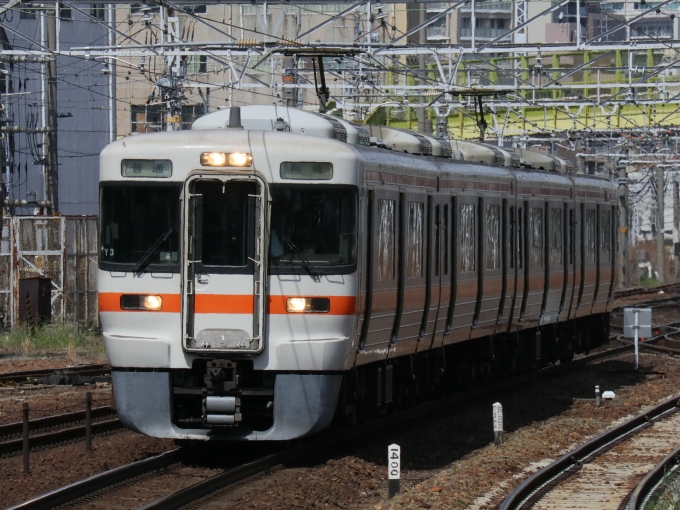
{"points": [[63, 249]]}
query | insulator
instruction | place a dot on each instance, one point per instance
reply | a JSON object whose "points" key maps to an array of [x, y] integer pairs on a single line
{"points": [[291, 42], [244, 43]]}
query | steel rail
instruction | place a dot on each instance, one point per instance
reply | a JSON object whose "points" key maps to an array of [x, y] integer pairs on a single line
{"points": [[650, 483], [58, 436], [57, 420], [81, 488], [531, 489], [645, 290], [84, 370]]}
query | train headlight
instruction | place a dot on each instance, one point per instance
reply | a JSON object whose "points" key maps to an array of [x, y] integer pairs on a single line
{"points": [[308, 305], [226, 159], [141, 302]]}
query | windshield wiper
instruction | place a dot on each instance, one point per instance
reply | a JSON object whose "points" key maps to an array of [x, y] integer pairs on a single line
{"points": [[313, 272], [143, 262]]}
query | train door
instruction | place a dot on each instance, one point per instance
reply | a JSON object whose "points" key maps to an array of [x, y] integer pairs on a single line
{"points": [[224, 264], [535, 262], [414, 274], [588, 259], [467, 267], [604, 257], [443, 270], [555, 278], [508, 242], [568, 289], [490, 267], [518, 228], [381, 302], [574, 258]]}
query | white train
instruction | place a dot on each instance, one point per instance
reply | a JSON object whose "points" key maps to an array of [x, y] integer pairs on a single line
{"points": [[270, 271]]}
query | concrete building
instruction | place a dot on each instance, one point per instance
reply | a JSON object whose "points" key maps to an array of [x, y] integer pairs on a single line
{"points": [[83, 111]]}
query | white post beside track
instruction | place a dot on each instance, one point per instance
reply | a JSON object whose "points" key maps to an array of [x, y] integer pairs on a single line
{"points": [[393, 470], [498, 424]]}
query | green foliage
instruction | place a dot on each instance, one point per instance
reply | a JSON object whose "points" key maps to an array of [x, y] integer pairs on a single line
{"points": [[51, 336], [668, 498], [649, 282]]}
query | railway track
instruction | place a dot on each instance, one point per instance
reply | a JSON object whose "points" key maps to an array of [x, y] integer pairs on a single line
{"points": [[72, 375], [654, 483], [53, 430], [599, 474], [139, 474]]}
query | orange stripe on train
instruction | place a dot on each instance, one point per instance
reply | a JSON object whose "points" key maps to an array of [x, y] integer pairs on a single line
{"points": [[225, 303]]}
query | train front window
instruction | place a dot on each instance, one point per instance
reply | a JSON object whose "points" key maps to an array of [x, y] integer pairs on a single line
{"points": [[140, 226], [313, 229]]}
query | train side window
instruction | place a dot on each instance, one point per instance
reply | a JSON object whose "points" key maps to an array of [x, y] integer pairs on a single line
{"points": [[590, 235], [415, 241], [386, 239], [445, 239], [437, 240], [467, 238], [572, 236], [606, 235], [536, 236], [512, 237], [556, 233], [492, 246], [520, 238]]}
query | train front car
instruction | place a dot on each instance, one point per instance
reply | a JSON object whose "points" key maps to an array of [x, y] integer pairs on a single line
{"points": [[228, 281]]}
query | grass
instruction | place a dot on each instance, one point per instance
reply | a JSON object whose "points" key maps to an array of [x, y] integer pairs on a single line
{"points": [[669, 499], [52, 337], [649, 282]]}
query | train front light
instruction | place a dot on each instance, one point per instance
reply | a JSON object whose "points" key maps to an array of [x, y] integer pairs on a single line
{"points": [[222, 159], [149, 303], [308, 305]]}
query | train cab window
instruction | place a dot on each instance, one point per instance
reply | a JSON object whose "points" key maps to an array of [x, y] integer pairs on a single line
{"points": [[556, 237], [536, 231], [226, 215], [386, 239], [313, 229], [415, 242], [467, 238], [590, 235], [140, 226], [606, 235], [492, 246]]}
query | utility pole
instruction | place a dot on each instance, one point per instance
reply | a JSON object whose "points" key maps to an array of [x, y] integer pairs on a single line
{"points": [[624, 277], [676, 226], [52, 163], [660, 222], [422, 40]]}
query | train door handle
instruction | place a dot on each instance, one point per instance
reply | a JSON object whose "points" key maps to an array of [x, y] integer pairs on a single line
{"points": [[202, 278]]}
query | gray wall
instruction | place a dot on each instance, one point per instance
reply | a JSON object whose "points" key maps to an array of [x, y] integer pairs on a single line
{"points": [[81, 91]]}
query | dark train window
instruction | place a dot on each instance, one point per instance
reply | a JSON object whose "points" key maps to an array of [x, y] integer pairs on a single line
{"points": [[520, 238], [512, 237], [536, 236], [445, 239], [415, 240], [556, 237], [572, 236], [492, 246], [437, 240], [590, 235], [467, 239], [606, 235], [386, 239]]}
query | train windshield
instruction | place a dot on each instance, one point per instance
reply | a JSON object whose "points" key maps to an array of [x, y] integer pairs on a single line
{"points": [[313, 229], [140, 226]]}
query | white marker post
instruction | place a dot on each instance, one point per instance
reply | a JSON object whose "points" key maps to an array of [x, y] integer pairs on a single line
{"points": [[498, 424], [637, 322], [393, 470]]}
